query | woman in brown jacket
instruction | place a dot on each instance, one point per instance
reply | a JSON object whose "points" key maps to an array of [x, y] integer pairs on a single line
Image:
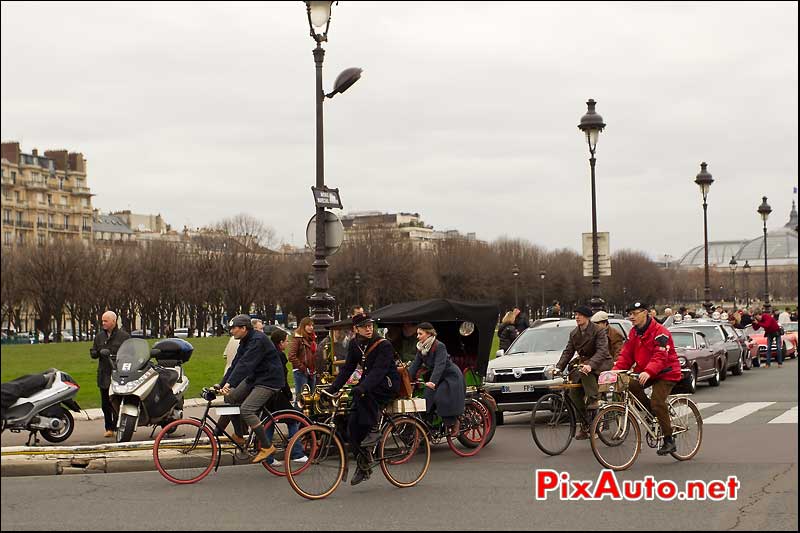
{"points": [[302, 354]]}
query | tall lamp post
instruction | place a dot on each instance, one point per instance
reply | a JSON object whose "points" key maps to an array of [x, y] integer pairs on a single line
{"points": [[357, 281], [704, 181], [542, 275], [733, 264], [592, 124], [764, 210], [746, 269], [319, 20], [515, 273]]}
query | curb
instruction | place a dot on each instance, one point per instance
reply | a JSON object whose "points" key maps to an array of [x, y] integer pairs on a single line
{"points": [[97, 414]]}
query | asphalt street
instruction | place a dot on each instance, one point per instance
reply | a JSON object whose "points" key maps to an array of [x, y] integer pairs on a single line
{"points": [[494, 490]]}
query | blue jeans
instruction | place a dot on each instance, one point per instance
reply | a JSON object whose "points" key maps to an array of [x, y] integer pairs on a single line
{"points": [[300, 379], [778, 346], [297, 450]]}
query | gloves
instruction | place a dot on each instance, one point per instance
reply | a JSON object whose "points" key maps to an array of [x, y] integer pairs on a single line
{"points": [[94, 353]]}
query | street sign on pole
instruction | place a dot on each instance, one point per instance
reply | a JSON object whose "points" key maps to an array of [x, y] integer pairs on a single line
{"points": [[334, 233], [603, 254]]}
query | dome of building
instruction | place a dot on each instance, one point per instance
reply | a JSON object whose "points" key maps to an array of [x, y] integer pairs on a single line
{"points": [[781, 249]]}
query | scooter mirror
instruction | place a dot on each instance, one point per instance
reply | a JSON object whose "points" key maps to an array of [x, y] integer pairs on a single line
{"points": [[105, 352], [154, 352]]}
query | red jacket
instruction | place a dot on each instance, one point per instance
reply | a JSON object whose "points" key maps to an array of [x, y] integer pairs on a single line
{"points": [[767, 322], [653, 352]]}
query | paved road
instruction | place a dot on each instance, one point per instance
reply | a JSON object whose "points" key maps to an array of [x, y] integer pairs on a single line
{"points": [[491, 491]]}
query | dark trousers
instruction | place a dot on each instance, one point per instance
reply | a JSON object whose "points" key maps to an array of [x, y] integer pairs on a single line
{"points": [[657, 403], [590, 390], [108, 410], [776, 338]]}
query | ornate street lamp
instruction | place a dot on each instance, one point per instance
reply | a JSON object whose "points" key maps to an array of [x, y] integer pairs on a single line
{"points": [[592, 124], [746, 269], [515, 273], [542, 275], [319, 21], [704, 181], [733, 264], [764, 210]]}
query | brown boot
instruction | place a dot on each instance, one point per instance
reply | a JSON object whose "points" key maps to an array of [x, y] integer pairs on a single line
{"points": [[238, 440], [582, 434], [262, 454]]}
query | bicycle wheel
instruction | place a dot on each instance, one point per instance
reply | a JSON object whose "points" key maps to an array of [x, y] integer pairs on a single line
{"points": [[280, 439], [404, 452], [185, 451], [616, 439], [473, 438], [326, 462], [687, 428], [473, 429], [553, 423]]}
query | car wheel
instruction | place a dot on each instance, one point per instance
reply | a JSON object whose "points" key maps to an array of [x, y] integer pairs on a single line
{"points": [[723, 372], [748, 362], [715, 379], [737, 371], [498, 417], [693, 382]]}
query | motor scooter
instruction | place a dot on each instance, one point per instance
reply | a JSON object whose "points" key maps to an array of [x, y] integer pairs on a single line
{"points": [[38, 403], [144, 393]]}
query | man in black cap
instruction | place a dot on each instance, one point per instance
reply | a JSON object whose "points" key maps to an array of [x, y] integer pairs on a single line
{"points": [[378, 386], [590, 342]]}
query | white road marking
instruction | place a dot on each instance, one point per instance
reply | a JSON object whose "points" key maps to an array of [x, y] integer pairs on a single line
{"points": [[733, 414], [705, 405], [789, 417]]}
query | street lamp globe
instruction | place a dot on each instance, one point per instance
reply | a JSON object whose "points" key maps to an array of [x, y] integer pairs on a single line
{"points": [[733, 264], [515, 271], [704, 180], [746, 266], [591, 125], [764, 210], [319, 16], [542, 274]]}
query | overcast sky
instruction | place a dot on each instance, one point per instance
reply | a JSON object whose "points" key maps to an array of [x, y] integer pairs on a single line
{"points": [[466, 112]]}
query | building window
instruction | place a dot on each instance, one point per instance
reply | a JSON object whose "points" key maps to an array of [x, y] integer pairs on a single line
{"points": [[40, 220], [20, 238], [8, 238], [85, 202], [7, 216], [86, 224], [61, 184], [13, 177], [40, 239], [50, 220], [66, 221], [49, 199], [19, 217], [40, 197], [18, 196], [63, 200]]}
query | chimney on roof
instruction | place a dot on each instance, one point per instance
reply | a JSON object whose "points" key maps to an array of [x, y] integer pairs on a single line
{"points": [[11, 152], [34, 152]]}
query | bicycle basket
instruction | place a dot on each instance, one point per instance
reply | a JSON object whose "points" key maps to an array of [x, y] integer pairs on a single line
{"points": [[613, 382]]}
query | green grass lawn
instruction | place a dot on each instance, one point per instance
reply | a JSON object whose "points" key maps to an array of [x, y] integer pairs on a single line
{"points": [[204, 369]]}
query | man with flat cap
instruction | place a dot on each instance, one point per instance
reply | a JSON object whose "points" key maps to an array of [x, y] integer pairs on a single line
{"points": [[590, 342], [378, 386], [651, 350]]}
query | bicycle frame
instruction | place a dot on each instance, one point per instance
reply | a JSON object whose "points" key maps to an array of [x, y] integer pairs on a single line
{"points": [[645, 418]]}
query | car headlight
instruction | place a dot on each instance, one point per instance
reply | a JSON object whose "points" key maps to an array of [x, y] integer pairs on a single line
{"points": [[131, 386], [549, 372], [490, 376], [683, 361]]}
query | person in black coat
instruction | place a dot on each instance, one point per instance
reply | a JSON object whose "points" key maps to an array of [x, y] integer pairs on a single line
{"points": [[445, 390], [110, 338], [378, 386], [507, 332], [254, 377]]}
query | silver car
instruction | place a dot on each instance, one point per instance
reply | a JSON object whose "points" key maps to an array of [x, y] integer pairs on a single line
{"points": [[521, 375]]}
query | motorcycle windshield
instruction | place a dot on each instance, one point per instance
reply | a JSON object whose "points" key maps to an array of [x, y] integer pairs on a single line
{"points": [[133, 355]]}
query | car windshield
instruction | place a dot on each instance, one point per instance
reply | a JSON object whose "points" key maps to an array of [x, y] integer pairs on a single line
{"points": [[712, 333], [791, 326], [541, 340], [683, 339]]}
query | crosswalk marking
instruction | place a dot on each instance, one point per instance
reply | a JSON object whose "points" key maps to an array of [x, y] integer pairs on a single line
{"points": [[705, 405], [735, 413], [789, 417]]}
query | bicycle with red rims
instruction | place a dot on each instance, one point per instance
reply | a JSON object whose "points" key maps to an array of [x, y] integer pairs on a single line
{"points": [[187, 450], [474, 426]]}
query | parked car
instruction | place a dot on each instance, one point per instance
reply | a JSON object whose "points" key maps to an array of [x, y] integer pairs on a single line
{"points": [[138, 334], [717, 334], [521, 375], [699, 361], [741, 338], [789, 347], [791, 332]]}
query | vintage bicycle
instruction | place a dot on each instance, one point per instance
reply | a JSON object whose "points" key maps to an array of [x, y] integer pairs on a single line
{"points": [[186, 450], [402, 450], [615, 432]]}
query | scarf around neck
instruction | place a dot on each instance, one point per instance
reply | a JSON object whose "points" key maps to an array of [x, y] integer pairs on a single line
{"points": [[425, 346]]}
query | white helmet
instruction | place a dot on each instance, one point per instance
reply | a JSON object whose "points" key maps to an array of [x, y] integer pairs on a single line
{"points": [[677, 318], [715, 315]]}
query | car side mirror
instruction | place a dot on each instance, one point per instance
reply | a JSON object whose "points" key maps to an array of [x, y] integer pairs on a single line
{"points": [[500, 353]]}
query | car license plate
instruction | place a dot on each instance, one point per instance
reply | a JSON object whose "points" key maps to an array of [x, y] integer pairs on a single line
{"points": [[518, 388]]}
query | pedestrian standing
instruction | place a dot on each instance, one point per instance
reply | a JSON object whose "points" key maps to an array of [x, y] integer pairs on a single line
{"points": [[303, 356], [772, 333], [110, 338], [507, 332]]}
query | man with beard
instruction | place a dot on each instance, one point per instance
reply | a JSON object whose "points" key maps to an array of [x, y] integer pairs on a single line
{"points": [[378, 386]]}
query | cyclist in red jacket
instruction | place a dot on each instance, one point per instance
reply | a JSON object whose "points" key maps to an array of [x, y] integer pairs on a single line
{"points": [[772, 332], [651, 350]]}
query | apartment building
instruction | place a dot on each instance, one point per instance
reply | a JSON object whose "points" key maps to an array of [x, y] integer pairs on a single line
{"points": [[44, 197], [397, 228]]}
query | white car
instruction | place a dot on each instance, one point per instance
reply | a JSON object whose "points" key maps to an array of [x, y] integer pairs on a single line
{"points": [[520, 376]]}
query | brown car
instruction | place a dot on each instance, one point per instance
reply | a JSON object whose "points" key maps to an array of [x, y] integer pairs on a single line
{"points": [[699, 361]]}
